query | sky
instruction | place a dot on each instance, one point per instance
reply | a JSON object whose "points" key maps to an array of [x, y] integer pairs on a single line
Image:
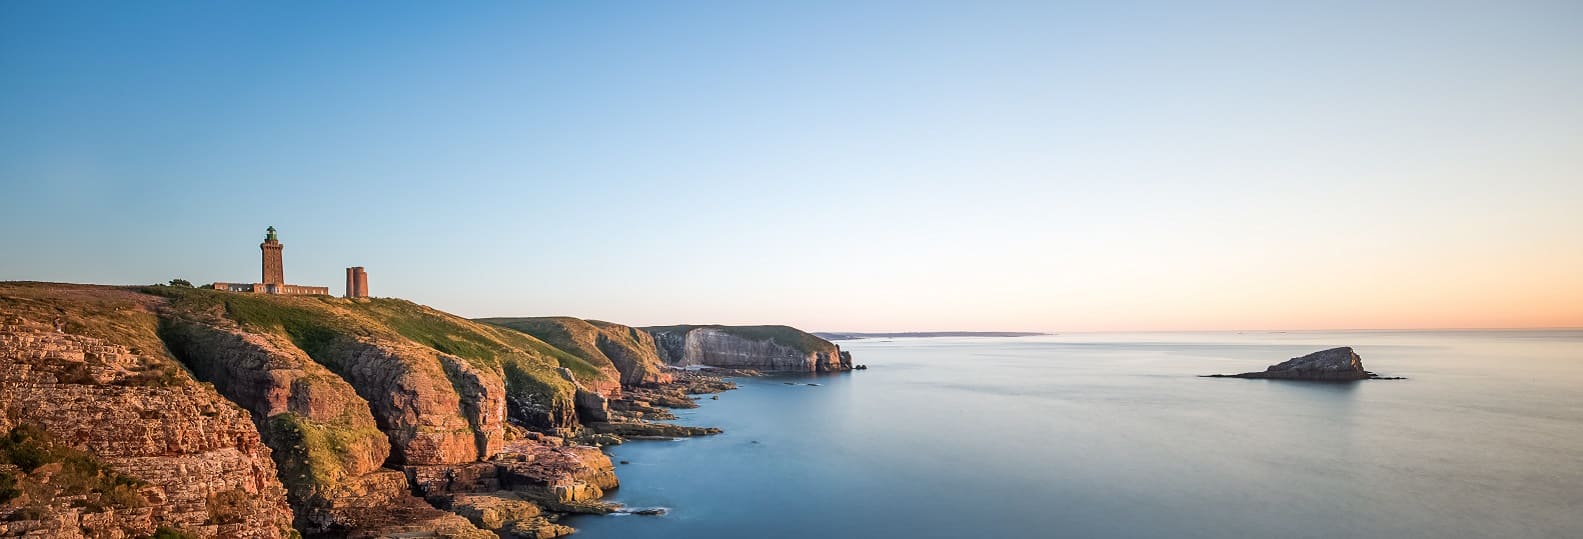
{"points": [[860, 166]]}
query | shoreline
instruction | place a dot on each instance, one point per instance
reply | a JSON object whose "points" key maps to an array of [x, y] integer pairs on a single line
{"points": [[644, 414], [703, 384]]}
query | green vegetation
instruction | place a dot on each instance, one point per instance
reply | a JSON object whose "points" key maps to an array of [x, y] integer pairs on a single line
{"points": [[308, 454], [303, 319], [573, 341], [431, 328], [8, 488], [316, 323], [783, 335], [167, 532], [49, 470], [180, 283], [229, 506], [114, 314]]}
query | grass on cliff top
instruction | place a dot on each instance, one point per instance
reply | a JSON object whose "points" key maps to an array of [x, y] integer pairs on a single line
{"points": [[315, 322], [794, 338], [571, 336], [110, 313], [114, 314], [308, 321], [471, 339]]}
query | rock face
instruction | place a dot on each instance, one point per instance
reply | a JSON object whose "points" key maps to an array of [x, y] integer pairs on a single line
{"points": [[269, 376], [764, 348], [208, 471], [633, 352], [1333, 365], [411, 398], [591, 405]]}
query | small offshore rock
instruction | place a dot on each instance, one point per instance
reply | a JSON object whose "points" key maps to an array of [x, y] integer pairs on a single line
{"points": [[1339, 364]]}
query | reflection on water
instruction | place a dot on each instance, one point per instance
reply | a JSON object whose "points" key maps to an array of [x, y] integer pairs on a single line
{"points": [[1114, 435]]}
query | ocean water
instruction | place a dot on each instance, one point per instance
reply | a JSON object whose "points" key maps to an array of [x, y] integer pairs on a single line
{"points": [[1113, 435]]}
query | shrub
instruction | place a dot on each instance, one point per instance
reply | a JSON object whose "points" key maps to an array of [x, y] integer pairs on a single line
{"points": [[8, 488], [79, 474], [167, 532], [229, 507]]}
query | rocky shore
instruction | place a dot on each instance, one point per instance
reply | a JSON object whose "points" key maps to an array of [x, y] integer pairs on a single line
{"points": [[131, 412], [135, 411]]}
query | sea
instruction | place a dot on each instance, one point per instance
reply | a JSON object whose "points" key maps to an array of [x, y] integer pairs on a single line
{"points": [[1116, 435]]}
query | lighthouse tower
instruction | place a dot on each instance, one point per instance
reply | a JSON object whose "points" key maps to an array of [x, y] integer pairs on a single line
{"points": [[274, 268]]}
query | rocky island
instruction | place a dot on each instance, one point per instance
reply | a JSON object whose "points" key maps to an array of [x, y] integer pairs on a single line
{"points": [[185, 412], [1340, 364]]}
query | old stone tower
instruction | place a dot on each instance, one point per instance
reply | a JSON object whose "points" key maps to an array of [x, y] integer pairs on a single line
{"points": [[356, 282], [274, 268]]}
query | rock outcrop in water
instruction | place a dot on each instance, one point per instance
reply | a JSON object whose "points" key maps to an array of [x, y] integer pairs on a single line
{"points": [[1333, 365], [764, 348]]}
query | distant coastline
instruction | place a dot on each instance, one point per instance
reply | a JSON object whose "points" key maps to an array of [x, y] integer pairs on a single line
{"points": [[847, 336]]}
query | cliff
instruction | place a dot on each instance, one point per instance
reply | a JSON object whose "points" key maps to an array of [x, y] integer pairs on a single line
{"points": [[84, 374], [628, 351], [768, 348], [248, 414], [177, 410]]}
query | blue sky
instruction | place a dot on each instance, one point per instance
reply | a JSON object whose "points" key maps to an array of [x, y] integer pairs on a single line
{"points": [[832, 165]]}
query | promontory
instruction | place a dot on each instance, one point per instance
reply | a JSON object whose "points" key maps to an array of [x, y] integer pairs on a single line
{"points": [[189, 412]]}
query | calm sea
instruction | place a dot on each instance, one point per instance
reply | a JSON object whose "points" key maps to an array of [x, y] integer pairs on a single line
{"points": [[1112, 435]]}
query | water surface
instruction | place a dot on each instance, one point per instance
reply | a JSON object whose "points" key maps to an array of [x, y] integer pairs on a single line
{"points": [[1112, 435]]}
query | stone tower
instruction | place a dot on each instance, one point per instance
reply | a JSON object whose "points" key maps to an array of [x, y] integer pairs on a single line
{"points": [[356, 282], [274, 269]]}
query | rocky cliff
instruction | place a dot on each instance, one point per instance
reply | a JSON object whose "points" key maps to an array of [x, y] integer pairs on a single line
{"points": [[628, 351], [245, 415], [215, 414], [84, 368], [768, 348]]}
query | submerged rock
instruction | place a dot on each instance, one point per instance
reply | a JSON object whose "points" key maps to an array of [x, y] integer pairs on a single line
{"points": [[1333, 365]]}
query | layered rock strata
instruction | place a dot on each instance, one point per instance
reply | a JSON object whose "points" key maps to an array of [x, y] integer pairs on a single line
{"points": [[207, 471]]}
